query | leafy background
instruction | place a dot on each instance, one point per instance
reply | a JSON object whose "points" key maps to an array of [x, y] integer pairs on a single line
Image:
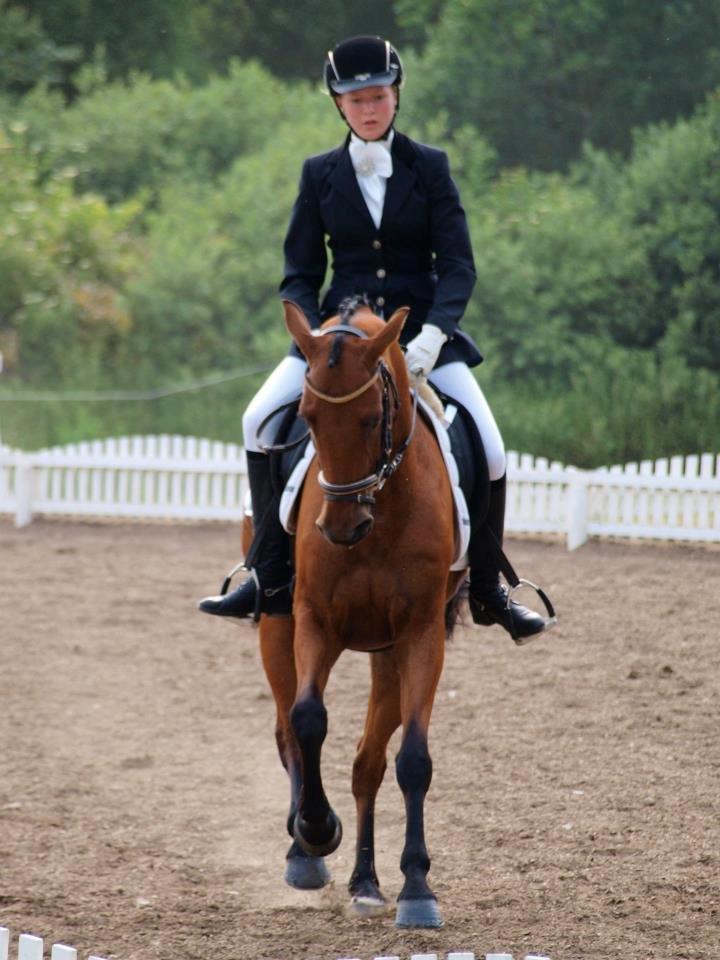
{"points": [[149, 156]]}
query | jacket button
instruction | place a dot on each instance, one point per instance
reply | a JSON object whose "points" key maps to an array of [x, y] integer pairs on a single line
{"points": [[380, 301], [377, 245], [381, 273]]}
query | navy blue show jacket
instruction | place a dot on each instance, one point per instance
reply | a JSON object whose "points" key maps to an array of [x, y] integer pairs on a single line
{"points": [[419, 257]]}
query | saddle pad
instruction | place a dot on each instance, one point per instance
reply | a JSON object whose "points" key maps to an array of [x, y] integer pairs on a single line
{"points": [[288, 500]]}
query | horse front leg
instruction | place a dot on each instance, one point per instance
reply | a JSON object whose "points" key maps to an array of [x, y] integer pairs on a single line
{"points": [[383, 718], [317, 828], [419, 676], [302, 870]]}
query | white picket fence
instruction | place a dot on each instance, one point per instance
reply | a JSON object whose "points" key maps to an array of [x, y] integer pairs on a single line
{"points": [[185, 478], [31, 948], [158, 477]]}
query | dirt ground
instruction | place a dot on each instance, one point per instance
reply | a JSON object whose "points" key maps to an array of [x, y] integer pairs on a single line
{"points": [[574, 808]]}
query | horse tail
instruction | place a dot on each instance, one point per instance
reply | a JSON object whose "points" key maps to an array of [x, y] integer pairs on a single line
{"points": [[453, 608]]}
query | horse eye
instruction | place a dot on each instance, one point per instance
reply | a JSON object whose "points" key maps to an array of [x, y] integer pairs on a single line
{"points": [[371, 422]]}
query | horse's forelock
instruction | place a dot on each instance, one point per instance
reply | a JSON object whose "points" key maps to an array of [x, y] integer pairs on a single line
{"points": [[336, 350]]}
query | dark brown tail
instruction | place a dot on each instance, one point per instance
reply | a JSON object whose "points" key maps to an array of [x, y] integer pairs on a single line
{"points": [[453, 609]]}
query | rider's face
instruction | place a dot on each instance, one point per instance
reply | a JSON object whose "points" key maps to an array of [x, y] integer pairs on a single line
{"points": [[369, 112]]}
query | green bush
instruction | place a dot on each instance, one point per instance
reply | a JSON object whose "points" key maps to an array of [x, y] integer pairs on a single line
{"points": [[128, 137], [207, 296], [597, 301], [63, 262]]}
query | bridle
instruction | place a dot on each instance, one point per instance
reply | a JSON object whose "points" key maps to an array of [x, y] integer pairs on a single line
{"points": [[361, 491]]}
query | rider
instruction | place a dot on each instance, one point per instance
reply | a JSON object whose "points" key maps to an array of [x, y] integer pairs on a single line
{"points": [[391, 215]]}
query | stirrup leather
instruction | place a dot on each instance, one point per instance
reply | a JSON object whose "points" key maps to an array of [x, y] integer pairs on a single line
{"points": [[515, 583]]}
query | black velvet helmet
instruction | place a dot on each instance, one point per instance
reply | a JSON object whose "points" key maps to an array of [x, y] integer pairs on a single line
{"points": [[362, 62]]}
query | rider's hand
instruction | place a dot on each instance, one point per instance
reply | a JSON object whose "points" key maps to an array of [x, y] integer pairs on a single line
{"points": [[422, 352]]}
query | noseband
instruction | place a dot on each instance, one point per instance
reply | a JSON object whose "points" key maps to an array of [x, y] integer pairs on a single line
{"points": [[360, 491]]}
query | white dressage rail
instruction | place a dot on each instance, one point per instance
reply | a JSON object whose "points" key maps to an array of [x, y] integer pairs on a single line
{"points": [[152, 477], [31, 948], [185, 478]]}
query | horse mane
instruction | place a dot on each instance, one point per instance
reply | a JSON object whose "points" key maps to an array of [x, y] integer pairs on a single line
{"points": [[350, 305]]}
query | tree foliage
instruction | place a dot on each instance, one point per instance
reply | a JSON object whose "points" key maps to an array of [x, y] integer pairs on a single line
{"points": [[63, 261], [28, 55], [540, 77], [141, 230]]}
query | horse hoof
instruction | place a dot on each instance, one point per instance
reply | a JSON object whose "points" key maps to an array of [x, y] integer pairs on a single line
{"points": [[311, 836], [368, 906], [418, 913], [305, 872]]}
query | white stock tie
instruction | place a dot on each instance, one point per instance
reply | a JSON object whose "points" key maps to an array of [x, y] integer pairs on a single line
{"points": [[372, 163]]}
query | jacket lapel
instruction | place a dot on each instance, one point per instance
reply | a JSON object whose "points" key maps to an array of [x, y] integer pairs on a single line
{"points": [[403, 177], [343, 180]]}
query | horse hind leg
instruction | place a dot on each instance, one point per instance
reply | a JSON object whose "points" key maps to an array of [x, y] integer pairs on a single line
{"points": [[302, 870], [383, 718]]}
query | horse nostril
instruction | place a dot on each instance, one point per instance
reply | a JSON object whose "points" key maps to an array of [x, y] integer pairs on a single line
{"points": [[362, 530], [345, 539]]}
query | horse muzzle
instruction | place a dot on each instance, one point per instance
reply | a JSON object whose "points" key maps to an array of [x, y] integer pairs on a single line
{"points": [[344, 525]]}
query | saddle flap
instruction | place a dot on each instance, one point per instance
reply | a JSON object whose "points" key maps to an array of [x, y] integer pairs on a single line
{"points": [[462, 514]]}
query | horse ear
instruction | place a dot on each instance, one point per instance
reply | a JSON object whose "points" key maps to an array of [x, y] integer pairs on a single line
{"points": [[298, 327], [390, 332]]}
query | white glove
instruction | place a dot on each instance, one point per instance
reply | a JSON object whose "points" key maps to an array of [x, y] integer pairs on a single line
{"points": [[422, 352]]}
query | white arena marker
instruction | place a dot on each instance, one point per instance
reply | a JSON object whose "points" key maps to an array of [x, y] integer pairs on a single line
{"points": [[4, 943], [498, 956], [465, 955], [30, 948], [424, 956], [387, 958], [61, 952]]}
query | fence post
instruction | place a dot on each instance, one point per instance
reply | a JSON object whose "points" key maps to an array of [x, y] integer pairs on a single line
{"points": [[62, 952], [23, 491], [577, 508], [30, 947]]}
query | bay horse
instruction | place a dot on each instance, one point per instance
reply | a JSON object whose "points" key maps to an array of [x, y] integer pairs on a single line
{"points": [[375, 540]]}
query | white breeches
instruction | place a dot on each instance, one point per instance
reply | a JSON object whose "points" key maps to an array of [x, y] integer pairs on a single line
{"points": [[456, 380], [453, 379], [284, 383]]}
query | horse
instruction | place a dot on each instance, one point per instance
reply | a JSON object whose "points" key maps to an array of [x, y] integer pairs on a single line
{"points": [[375, 540]]}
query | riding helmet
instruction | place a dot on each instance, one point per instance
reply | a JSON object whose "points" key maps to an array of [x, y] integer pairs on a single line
{"points": [[362, 62]]}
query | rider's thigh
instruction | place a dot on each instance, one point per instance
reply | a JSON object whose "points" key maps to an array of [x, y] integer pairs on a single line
{"points": [[283, 384], [456, 381]]}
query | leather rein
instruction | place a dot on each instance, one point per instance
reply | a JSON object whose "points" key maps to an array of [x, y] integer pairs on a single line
{"points": [[361, 491]]}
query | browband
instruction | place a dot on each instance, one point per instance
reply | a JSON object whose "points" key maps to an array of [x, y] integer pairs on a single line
{"points": [[341, 328]]}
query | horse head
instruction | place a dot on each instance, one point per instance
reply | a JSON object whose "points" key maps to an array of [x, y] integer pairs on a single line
{"points": [[356, 404]]}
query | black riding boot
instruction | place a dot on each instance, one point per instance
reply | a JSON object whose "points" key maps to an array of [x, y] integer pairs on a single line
{"points": [[487, 596], [268, 588]]}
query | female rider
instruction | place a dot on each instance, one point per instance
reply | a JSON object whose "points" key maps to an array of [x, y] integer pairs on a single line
{"points": [[390, 213]]}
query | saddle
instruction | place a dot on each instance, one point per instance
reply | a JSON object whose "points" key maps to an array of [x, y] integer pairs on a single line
{"points": [[286, 438]]}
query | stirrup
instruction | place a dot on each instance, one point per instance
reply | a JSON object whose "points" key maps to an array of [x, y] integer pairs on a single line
{"points": [[547, 603], [226, 582]]}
